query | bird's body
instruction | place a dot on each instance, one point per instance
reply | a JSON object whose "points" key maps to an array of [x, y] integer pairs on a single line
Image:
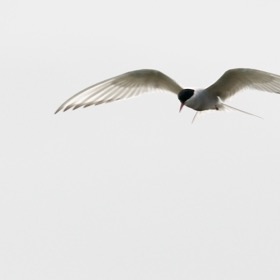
{"points": [[201, 101], [134, 83]]}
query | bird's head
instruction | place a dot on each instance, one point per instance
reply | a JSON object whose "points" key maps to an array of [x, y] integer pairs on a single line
{"points": [[184, 95]]}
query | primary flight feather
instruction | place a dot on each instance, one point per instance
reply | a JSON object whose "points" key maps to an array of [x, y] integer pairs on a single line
{"points": [[137, 82]]}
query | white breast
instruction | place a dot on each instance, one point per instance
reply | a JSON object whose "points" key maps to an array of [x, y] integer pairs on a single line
{"points": [[201, 101]]}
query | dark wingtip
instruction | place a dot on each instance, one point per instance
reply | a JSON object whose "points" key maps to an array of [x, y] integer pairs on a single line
{"points": [[77, 107], [67, 108], [58, 109]]}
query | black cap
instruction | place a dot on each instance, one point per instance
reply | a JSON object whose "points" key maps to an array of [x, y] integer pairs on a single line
{"points": [[185, 94]]}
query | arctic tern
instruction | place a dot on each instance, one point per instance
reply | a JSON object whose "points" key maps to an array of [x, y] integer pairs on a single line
{"points": [[137, 82]]}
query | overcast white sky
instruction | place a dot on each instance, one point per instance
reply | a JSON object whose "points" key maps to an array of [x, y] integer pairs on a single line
{"points": [[132, 190]]}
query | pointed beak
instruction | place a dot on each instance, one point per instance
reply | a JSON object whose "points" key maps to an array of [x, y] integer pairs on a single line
{"points": [[181, 107]]}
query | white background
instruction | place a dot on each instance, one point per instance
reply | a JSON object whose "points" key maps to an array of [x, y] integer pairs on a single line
{"points": [[133, 190]]}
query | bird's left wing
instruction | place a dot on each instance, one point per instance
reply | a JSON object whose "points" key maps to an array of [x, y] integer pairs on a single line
{"points": [[127, 85], [235, 80]]}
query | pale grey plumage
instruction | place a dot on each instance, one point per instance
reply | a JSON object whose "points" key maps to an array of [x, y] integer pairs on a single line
{"points": [[137, 82], [127, 85], [238, 79]]}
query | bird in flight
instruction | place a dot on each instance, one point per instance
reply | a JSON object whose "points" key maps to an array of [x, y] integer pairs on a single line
{"points": [[138, 82]]}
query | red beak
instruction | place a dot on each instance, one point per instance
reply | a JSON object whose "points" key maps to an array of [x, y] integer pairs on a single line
{"points": [[181, 107]]}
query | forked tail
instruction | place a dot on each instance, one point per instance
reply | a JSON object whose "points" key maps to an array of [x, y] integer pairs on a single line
{"points": [[224, 106]]}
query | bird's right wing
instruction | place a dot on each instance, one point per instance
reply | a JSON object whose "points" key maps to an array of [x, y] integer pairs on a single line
{"points": [[127, 85], [235, 80]]}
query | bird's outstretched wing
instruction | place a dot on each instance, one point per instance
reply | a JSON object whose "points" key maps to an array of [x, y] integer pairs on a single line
{"points": [[235, 80], [127, 85]]}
